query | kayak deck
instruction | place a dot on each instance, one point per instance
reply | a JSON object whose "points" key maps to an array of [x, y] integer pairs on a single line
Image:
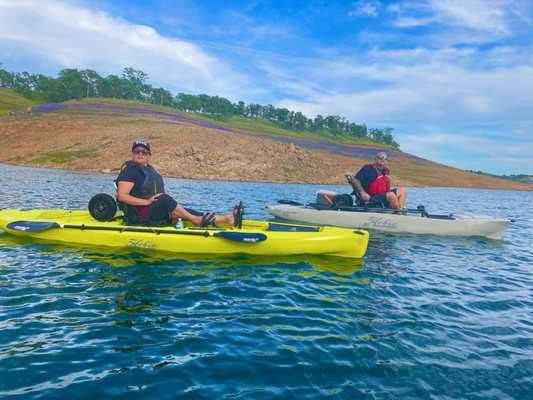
{"points": [[423, 223], [255, 237]]}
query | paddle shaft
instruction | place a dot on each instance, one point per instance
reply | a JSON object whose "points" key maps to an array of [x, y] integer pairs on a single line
{"points": [[241, 237]]}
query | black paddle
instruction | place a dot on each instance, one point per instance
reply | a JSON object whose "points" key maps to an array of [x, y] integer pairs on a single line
{"points": [[351, 182], [38, 226]]}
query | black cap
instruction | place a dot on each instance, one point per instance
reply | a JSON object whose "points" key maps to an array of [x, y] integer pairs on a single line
{"points": [[143, 143]]}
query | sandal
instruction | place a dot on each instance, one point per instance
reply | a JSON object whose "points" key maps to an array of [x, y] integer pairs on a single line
{"points": [[207, 219]]}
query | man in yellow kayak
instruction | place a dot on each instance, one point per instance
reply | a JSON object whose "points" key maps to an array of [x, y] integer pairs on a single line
{"points": [[373, 184], [142, 190]]}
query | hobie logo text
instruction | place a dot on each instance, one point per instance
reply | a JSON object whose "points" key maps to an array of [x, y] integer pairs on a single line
{"points": [[380, 222]]}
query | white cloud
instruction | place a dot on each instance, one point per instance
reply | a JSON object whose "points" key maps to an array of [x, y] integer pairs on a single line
{"points": [[484, 15], [433, 92], [472, 150], [468, 21], [462, 84], [70, 36], [364, 8]]}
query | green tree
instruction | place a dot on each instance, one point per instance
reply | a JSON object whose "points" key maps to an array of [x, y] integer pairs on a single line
{"points": [[253, 110], [332, 123], [135, 84], [318, 123], [215, 106], [269, 112], [7, 79], [113, 87], [358, 131], [162, 97], [281, 115], [299, 121], [93, 82], [239, 108], [23, 83], [188, 102], [73, 82], [49, 89]]}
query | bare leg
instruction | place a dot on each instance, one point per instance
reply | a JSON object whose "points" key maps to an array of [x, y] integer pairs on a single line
{"points": [[401, 194], [227, 218], [393, 201], [180, 212]]}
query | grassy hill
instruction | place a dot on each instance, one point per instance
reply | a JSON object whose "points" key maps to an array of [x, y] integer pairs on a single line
{"points": [[94, 135], [242, 123], [11, 101]]}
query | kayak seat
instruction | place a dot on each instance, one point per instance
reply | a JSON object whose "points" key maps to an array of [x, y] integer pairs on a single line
{"points": [[330, 199], [359, 202], [327, 200], [123, 207]]}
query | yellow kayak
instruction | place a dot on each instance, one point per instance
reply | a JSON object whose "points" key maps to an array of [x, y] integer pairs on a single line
{"points": [[255, 237]]}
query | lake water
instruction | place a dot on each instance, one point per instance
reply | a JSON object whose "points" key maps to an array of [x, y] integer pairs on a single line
{"points": [[420, 317]]}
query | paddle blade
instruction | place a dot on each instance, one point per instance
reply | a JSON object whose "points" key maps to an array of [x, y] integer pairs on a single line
{"points": [[31, 226], [242, 237]]}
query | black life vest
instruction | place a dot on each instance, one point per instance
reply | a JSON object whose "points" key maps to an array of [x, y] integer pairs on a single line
{"points": [[152, 183]]}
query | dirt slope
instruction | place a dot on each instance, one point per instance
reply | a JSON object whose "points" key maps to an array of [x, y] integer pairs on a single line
{"points": [[98, 138]]}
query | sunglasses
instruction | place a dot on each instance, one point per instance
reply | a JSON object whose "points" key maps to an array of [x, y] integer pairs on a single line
{"points": [[143, 152], [383, 157]]}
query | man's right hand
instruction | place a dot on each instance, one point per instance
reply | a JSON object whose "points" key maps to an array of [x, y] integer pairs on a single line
{"points": [[365, 196]]}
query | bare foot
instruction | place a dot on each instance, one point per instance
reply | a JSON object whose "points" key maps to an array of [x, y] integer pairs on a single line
{"points": [[232, 216]]}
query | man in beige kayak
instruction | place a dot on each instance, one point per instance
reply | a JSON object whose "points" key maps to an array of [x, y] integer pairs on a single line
{"points": [[373, 184]]}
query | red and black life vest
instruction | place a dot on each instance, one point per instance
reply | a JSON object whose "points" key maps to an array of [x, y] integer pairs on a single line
{"points": [[381, 184]]}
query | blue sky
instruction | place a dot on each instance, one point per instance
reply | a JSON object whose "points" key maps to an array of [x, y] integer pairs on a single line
{"points": [[454, 78]]}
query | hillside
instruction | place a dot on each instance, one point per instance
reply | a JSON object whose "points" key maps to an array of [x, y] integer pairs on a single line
{"points": [[96, 136], [14, 103]]}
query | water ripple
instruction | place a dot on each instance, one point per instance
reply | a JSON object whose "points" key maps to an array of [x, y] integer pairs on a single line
{"points": [[419, 317]]}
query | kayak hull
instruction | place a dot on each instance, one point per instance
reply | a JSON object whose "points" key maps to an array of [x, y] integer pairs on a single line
{"points": [[73, 226], [452, 225]]}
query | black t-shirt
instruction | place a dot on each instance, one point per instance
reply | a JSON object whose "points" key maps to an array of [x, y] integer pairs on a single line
{"points": [[368, 174]]}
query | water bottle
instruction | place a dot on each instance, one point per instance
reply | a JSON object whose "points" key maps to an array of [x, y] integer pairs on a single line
{"points": [[179, 224]]}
